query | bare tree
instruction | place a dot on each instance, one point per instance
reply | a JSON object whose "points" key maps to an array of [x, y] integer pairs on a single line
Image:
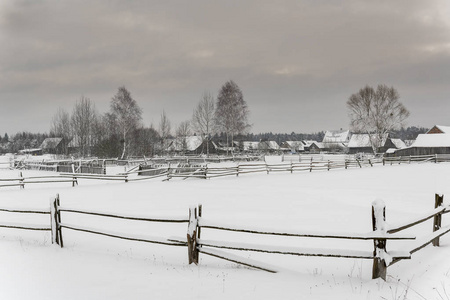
{"points": [[232, 112], [164, 131], [61, 127], [82, 120], [203, 119], [376, 113], [182, 132], [128, 115]]}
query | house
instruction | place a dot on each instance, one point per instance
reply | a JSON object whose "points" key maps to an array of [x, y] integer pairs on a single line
{"points": [[316, 147], [292, 146], [53, 146], [268, 146], [307, 144], [192, 145], [436, 129], [250, 147], [360, 143], [336, 140], [435, 141]]}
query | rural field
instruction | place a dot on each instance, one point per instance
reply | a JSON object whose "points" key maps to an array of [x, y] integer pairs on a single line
{"points": [[98, 267]]}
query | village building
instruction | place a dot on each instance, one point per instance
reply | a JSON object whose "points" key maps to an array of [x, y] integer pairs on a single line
{"points": [[53, 146], [360, 143], [336, 140], [435, 141], [292, 146], [192, 145]]}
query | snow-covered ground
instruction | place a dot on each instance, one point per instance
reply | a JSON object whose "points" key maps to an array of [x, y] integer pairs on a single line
{"points": [[96, 267]]}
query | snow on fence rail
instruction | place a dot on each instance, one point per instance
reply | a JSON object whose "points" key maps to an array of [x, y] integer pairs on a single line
{"points": [[196, 223], [416, 158]]}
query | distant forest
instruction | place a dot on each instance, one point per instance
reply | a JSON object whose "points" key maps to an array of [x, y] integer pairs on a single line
{"points": [[27, 140]]}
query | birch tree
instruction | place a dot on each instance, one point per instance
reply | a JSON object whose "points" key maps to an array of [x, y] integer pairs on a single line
{"points": [[376, 113], [232, 111], [128, 116]]}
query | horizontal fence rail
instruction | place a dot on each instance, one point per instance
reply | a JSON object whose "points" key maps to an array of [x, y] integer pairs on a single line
{"points": [[196, 224], [37, 227]]}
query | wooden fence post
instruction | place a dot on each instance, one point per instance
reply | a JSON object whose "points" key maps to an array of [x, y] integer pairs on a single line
{"points": [[311, 165], [345, 163], [378, 223], [237, 171], [192, 236], [437, 220], [292, 167], [21, 181], [435, 158], [53, 221], [328, 166], [200, 209], [56, 222]]}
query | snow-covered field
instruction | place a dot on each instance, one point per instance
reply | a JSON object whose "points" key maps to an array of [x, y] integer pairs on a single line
{"points": [[96, 267]]}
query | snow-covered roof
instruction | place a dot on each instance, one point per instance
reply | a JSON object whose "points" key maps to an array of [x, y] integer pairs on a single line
{"points": [[362, 141], [399, 144], [432, 140], [272, 145], [50, 143], [192, 143], [336, 136], [297, 145], [250, 145], [444, 129], [319, 145]]}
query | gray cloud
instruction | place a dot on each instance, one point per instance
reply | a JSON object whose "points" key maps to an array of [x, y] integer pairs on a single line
{"points": [[296, 61]]}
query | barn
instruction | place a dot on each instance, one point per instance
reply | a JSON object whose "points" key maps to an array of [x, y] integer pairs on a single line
{"points": [[53, 146], [435, 141]]}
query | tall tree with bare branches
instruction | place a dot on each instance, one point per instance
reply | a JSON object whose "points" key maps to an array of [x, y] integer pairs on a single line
{"points": [[164, 131], [61, 127], [83, 119], [232, 111], [203, 118], [128, 115], [376, 113]]}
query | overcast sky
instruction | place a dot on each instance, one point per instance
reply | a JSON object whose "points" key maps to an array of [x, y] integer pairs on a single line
{"points": [[297, 62]]}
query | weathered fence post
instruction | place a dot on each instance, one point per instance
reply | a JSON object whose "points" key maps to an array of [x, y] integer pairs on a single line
{"points": [[345, 163], [292, 167], [383, 161], [378, 223], [328, 166], [435, 158], [237, 171], [206, 171], [21, 181], [200, 208], [311, 165], [55, 216], [192, 236], [437, 220]]}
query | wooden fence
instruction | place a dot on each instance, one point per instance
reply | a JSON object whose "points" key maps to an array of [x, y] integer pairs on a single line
{"points": [[436, 158], [197, 224], [380, 235]]}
